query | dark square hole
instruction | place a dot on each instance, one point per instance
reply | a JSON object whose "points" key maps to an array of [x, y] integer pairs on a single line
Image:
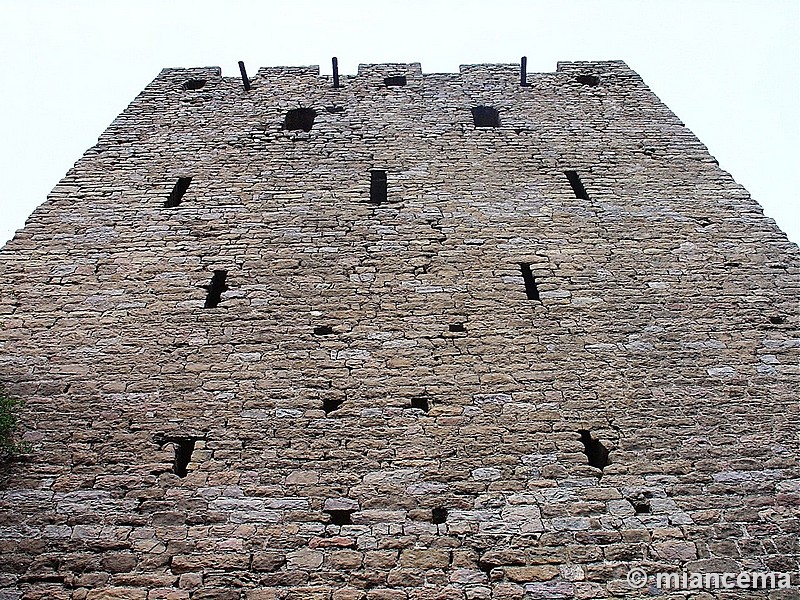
{"points": [[485, 116], [340, 517], [438, 515], [420, 402], [323, 330], [300, 119], [394, 81], [776, 320], [590, 80], [331, 404], [456, 327]]}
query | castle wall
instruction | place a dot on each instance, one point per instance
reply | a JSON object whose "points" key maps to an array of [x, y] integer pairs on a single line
{"points": [[666, 327]]}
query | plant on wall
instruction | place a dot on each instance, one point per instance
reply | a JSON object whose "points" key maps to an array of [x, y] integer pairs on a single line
{"points": [[9, 427]]}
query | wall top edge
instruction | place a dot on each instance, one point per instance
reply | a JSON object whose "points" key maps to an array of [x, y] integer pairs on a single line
{"points": [[413, 69]]}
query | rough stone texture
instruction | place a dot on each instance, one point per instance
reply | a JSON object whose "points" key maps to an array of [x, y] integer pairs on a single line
{"points": [[666, 325]]}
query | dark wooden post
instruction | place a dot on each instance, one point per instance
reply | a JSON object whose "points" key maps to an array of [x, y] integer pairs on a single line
{"points": [[335, 62], [523, 71], [245, 80]]}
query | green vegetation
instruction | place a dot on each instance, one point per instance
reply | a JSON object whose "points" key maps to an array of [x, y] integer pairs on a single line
{"points": [[9, 427]]}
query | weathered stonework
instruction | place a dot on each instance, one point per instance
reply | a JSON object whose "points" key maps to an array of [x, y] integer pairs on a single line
{"points": [[666, 326]]}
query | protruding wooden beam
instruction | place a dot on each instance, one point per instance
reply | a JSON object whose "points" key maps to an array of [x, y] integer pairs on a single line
{"points": [[335, 62], [523, 71], [245, 80]]}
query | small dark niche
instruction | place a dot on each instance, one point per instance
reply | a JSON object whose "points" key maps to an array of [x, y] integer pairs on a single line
{"points": [[300, 119], [395, 81], [378, 187], [323, 330], [438, 515], [331, 404], [640, 507], [456, 327], [420, 402], [184, 446], [485, 116], [334, 109], [215, 289], [576, 184], [594, 450], [194, 84], [340, 517], [531, 289], [590, 80], [776, 320], [178, 190]]}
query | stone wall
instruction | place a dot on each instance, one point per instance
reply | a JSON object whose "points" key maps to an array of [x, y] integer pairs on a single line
{"points": [[379, 407]]}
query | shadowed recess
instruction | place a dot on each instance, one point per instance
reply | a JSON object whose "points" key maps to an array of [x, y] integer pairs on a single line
{"points": [[176, 195], [194, 84], [594, 450], [395, 81], [378, 187], [300, 119], [485, 116], [531, 290], [216, 288], [577, 185]]}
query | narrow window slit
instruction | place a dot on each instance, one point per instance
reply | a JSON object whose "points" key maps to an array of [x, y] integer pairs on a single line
{"points": [[183, 446], [438, 515], [395, 81], [300, 118], [594, 450], [340, 517], [378, 187], [456, 327], [485, 116], [194, 84], [531, 289], [215, 289], [590, 80], [323, 330], [331, 404], [420, 402], [176, 195], [776, 320], [577, 184]]}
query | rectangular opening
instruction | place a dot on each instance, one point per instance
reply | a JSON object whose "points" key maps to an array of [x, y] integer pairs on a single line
{"points": [[421, 403], [331, 404], [215, 289], [395, 81], [377, 187], [530, 282], [485, 116], [176, 195], [577, 185]]}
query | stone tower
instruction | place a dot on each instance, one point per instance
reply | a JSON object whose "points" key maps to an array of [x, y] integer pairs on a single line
{"points": [[414, 337]]}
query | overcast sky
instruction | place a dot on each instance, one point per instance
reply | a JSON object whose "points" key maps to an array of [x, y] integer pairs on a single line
{"points": [[727, 68]]}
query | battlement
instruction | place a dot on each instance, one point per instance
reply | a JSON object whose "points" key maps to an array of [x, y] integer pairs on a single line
{"points": [[378, 72]]}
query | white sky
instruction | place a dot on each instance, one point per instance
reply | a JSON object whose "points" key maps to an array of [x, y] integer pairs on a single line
{"points": [[727, 68]]}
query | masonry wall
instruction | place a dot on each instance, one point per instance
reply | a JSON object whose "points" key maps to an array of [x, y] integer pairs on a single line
{"points": [[666, 327]]}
